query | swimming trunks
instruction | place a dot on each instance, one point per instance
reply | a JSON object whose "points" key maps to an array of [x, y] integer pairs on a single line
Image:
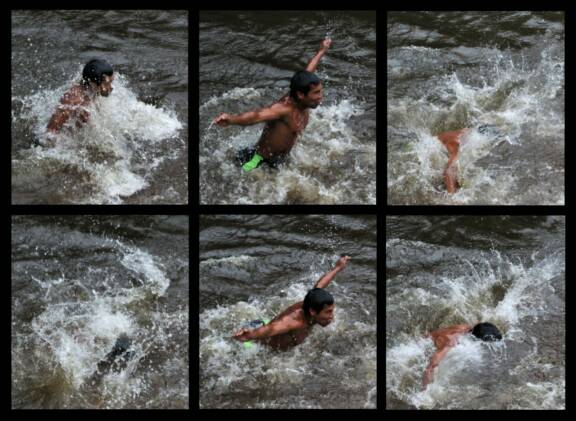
{"points": [[254, 324], [249, 159]]}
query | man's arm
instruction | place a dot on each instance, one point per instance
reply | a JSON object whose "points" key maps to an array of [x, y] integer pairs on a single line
{"points": [[311, 67], [328, 276], [271, 329], [436, 358], [274, 112], [58, 119]]}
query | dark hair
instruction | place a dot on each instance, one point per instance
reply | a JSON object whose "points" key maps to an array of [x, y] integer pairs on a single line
{"points": [[486, 332], [317, 299], [301, 82], [95, 70]]}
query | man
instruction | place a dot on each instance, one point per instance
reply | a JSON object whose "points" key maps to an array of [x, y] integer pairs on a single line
{"points": [[97, 78], [285, 119], [447, 337], [293, 325]]}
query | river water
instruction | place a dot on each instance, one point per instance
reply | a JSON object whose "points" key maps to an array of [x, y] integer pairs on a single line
{"points": [[445, 270], [78, 284], [450, 70], [256, 266], [246, 62], [134, 148]]}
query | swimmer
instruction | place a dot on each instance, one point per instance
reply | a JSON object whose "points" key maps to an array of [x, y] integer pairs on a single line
{"points": [[285, 119], [447, 337], [293, 325], [97, 78], [452, 141]]}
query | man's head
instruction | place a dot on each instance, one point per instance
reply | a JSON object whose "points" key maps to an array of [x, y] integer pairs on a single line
{"points": [[319, 306], [486, 332], [98, 74], [306, 89]]}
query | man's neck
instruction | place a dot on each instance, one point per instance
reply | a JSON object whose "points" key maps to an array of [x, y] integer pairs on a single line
{"points": [[88, 91]]}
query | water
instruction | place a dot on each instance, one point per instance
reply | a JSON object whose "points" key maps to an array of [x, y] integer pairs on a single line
{"points": [[450, 70], [446, 270], [256, 266], [134, 148], [79, 283], [246, 62]]}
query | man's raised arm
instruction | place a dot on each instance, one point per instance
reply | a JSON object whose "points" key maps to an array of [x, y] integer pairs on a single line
{"points": [[313, 64], [328, 276]]}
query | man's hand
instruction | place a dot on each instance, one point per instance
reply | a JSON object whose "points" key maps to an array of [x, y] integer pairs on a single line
{"points": [[243, 335], [343, 261], [428, 377], [328, 276], [313, 64], [222, 120]]}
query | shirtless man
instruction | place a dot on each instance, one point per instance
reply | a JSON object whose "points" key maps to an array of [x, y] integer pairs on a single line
{"points": [[447, 337], [97, 78], [451, 140], [285, 119], [293, 325]]}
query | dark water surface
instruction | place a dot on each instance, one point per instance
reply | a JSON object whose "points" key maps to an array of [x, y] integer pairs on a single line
{"points": [[246, 62], [255, 267], [134, 147], [79, 283], [451, 70], [448, 270]]}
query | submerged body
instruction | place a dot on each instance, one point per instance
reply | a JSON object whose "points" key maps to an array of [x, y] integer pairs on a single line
{"points": [[116, 360], [446, 338]]}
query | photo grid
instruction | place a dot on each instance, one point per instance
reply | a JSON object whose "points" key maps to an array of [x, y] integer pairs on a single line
{"points": [[226, 258]]}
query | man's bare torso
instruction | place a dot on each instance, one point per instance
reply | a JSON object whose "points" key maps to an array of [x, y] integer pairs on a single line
{"points": [[287, 340], [279, 136]]}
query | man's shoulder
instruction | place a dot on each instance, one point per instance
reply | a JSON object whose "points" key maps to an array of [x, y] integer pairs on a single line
{"points": [[286, 102], [294, 314], [73, 96]]}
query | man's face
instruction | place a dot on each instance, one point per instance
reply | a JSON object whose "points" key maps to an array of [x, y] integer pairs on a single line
{"points": [[313, 98], [105, 88], [324, 317]]}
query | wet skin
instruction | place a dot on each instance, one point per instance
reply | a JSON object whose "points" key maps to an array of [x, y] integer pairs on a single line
{"points": [[444, 339], [292, 326], [73, 104], [451, 141]]}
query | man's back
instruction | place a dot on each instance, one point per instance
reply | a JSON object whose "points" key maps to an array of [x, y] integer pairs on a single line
{"points": [[448, 336]]}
